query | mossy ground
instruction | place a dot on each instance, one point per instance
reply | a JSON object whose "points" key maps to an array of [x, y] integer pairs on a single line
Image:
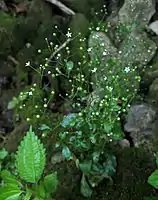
{"points": [[130, 182]]}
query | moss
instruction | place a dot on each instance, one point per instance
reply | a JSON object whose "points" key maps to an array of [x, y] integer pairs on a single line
{"points": [[134, 167], [7, 24], [130, 182]]}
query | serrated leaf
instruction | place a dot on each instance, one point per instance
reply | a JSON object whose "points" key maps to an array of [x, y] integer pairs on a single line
{"points": [[66, 153], [10, 192], [9, 178], [86, 190], [3, 154], [30, 158], [13, 103], [153, 179], [85, 166], [50, 182]]}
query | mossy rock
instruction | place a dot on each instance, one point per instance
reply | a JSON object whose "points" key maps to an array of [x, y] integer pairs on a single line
{"points": [[79, 24], [7, 25]]}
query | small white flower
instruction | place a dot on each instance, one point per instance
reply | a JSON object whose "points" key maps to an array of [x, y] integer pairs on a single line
{"points": [[69, 34], [30, 93], [37, 116], [28, 64], [94, 70], [89, 49], [104, 53], [45, 105], [105, 78], [97, 29], [102, 44], [127, 69]]}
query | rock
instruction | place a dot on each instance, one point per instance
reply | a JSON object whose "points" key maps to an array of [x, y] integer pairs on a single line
{"points": [[100, 46], [137, 49], [124, 143], [139, 11], [57, 158], [3, 6], [140, 123], [153, 92], [149, 75], [154, 27]]}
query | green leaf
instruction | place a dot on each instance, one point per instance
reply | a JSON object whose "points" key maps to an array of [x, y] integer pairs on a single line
{"points": [[50, 182], [85, 166], [107, 127], [41, 190], [30, 158], [44, 127], [13, 103], [3, 154], [28, 194], [110, 165], [10, 192], [86, 190], [96, 156], [9, 178], [153, 179], [66, 153], [68, 120], [69, 65]]}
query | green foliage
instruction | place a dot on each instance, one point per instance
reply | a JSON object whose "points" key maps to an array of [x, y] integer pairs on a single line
{"points": [[30, 158], [31, 105], [11, 188], [9, 178], [30, 163], [50, 182], [153, 180], [3, 154], [86, 190], [10, 192]]}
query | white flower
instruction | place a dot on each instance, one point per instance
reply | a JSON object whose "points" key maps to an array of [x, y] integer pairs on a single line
{"points": [[97, 29], [110, 89], [30, 93], [69, 34], [105, 78], [127, 69], [104, 53], [94, 70], [89, 49], [28, 64]]}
